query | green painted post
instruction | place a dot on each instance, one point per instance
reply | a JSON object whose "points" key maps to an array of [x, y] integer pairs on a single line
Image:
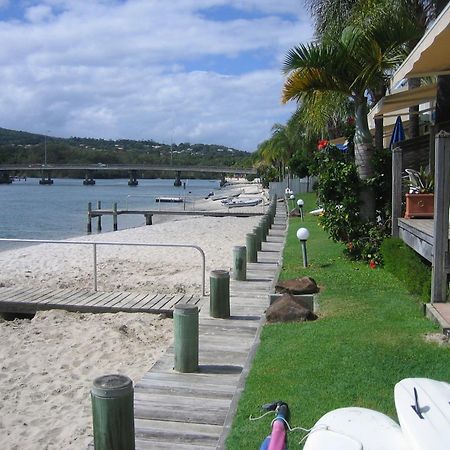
{"points": [[115, 217], [257, 231], [240, 263], [89, 222], [263, 228], [219, 294], [185, 324], [99, 220], [252, 253], [112, 413]]}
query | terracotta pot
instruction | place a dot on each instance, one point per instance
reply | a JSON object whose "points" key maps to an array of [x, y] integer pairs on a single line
{"points": [[419, 206]]}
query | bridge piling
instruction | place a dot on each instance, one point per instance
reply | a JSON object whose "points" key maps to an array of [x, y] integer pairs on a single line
{"points": [[177, 182], [133, 178]]}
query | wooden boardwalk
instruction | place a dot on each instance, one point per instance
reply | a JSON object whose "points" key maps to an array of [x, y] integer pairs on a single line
{"points": [[30, 300], [182, 411]]}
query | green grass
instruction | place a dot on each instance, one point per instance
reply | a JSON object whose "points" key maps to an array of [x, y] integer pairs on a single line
{"points": [[369, 336]]}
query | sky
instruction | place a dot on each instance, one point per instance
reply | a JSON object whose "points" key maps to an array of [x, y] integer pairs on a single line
{"points": [[198, 71]]}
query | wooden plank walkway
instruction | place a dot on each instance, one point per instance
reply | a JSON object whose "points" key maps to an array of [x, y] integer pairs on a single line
{"points": [[30, 300], [182, 411]]}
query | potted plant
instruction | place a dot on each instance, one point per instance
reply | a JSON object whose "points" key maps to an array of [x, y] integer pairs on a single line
{"points": [[420, 199]]}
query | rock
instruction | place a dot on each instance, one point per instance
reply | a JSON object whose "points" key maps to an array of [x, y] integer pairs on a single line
{"points": [[286, 309], [294, 213], [304, 285]]}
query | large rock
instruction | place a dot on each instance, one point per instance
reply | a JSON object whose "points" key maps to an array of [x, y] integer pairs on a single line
{"points": [[294, 213], [286, 309], [304, 285]]}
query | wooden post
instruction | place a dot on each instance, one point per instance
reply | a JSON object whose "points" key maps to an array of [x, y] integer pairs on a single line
{"points": [[396, 189], [252, 253], [148, 219], [89, 222], [263, 227], [115, 217], [219, 294], [257, 232], [185, 323], [441, 226], [112, 413], [99, 220], [239, 263]]}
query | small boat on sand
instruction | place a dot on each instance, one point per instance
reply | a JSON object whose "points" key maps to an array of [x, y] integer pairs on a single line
{"points": [[241, 202], [214, 198], [169, 199]]}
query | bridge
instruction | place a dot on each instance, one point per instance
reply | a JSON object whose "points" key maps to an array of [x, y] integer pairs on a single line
{"points": [[45, 171]]}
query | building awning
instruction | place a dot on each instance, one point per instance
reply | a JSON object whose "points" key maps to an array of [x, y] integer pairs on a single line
{"points": [[404, 99], [431, 56]]}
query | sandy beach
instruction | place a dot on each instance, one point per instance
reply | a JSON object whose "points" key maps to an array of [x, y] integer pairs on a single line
{"points": [[49, 362]]}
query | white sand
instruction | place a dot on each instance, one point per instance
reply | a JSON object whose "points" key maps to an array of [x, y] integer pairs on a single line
{"points": [[48, 364]]}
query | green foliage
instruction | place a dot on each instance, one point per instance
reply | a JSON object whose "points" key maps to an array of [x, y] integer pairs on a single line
{"points": [[338, 191], [406, 265], [369, 336]]}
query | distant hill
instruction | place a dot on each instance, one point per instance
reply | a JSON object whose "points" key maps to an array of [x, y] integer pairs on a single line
{"points": [[21, 147]]}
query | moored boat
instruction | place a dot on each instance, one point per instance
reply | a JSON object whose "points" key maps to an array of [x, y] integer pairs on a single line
{"points": [[239, 203], [169, 199]]}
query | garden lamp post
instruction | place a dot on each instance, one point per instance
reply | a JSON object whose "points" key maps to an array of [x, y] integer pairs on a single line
{"points": [[300, 204], [302, 236], [292, 198]]}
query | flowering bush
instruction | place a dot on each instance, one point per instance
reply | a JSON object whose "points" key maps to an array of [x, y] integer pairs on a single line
{"points": [[338, 191], [322, 144]]}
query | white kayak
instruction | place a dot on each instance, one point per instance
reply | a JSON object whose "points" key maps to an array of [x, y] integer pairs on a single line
{"points": [[423, 409]]}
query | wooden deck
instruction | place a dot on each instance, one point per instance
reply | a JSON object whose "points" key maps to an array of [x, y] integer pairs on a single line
{"points": [[418, 234], [30, 300], [182, 411], [440, 313]]}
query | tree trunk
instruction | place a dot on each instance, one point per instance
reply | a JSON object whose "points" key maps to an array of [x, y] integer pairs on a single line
{"points": [[363, 141], [363, 157]]}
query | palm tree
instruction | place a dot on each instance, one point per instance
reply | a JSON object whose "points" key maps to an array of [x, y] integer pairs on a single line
{"points": [[350, 66], [285, 141], [331, 16]]}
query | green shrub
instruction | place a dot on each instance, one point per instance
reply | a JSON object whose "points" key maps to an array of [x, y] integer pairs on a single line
{"points": [[408, 267]]}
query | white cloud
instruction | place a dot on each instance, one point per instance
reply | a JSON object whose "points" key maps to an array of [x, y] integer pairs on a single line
{"points": [[118, 69]]}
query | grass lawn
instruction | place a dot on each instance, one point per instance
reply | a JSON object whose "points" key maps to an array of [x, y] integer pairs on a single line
{"points": [[370, 334]]}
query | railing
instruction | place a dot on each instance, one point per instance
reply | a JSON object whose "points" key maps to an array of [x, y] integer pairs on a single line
{"points": [[134, 244]]}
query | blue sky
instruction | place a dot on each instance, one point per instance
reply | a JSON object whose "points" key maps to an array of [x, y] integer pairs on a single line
{"points": [[181, 70]]}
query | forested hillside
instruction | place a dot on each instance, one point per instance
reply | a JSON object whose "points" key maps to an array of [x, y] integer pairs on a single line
{"points": [[27, 148]]}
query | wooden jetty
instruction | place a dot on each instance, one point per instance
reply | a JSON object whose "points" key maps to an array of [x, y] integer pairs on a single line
{"points": [[183, 411], [149, 213], [31, 300]]}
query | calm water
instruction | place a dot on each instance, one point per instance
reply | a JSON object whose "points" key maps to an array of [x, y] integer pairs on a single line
{"points": [[33, 211]]}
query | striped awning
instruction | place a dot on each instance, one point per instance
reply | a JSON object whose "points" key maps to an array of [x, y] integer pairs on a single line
{"points": [[431, 56]]}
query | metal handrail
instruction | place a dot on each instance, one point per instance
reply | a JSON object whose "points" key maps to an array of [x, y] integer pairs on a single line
{"points": [[135, 244]]}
